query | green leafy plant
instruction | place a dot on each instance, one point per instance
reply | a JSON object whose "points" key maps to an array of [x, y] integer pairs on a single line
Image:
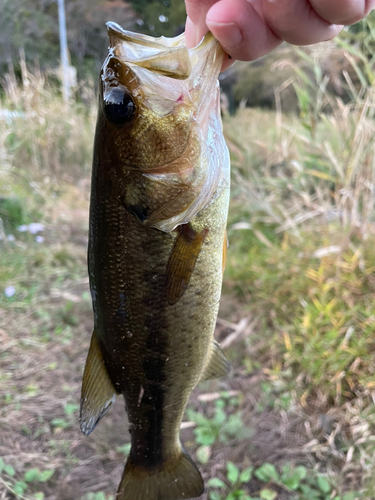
{"points": [[20, 487], [124, 449], [218, 426], [304, 484], [100, 495], [236, 480], [36, 475], [6, 468]]}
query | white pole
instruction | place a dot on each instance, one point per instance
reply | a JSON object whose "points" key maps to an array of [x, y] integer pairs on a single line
{"points": [[64, 52]]}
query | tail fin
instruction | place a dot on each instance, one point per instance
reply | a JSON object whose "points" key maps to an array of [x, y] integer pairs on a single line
{"points": [[176, 479]]}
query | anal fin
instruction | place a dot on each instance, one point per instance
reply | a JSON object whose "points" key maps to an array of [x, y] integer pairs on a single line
{"points": [[218, 365], [98, 393], [182, 261]]}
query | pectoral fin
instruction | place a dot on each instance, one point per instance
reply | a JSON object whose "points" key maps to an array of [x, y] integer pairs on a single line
{"points": [[218, 365], [98, 393], [182, 261]]}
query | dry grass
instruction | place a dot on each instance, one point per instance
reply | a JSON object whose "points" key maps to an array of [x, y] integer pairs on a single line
{"points": [[302, 235], [291, 178], [40, 385], [48, 140]]}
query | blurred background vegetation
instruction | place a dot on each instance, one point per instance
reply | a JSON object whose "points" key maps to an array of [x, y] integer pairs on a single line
{"points": [[295, 419]]}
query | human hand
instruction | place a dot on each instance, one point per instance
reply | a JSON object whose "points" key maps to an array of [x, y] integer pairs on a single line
{"points": [[248, 29]]}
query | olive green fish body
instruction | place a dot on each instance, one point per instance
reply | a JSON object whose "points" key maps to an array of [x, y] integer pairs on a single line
{"points": [[156, 250], [154, 352]]}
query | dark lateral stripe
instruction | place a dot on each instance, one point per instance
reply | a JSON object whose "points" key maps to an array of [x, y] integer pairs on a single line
{"points": [[150, 438]]}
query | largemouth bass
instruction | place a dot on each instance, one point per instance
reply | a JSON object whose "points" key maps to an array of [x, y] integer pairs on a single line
{"points": [[157, 242]]}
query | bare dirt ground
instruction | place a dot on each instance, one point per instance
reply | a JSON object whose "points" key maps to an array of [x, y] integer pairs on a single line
{"points": [[41, 366]]}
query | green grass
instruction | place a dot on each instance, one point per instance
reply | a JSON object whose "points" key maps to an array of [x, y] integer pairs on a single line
{"points": [[294, 420], [301, 255], [320, 309]]}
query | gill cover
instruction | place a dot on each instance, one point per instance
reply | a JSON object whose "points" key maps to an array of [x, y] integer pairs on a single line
{"points": [[165, 77]]}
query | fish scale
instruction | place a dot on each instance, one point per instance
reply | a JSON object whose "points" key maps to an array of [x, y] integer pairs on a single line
{"points": [[155, 272]]}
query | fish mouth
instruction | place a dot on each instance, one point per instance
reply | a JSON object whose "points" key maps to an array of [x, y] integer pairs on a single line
{"points": [[167, 56]]}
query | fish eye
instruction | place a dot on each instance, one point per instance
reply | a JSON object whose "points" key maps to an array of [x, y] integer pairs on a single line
{"points": [[119, 107]]}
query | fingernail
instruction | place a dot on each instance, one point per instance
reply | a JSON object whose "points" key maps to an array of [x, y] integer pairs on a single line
{"points": [[228, 34]]}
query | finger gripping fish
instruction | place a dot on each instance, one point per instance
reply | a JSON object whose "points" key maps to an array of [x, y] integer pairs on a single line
{"points": [[158, 211]]}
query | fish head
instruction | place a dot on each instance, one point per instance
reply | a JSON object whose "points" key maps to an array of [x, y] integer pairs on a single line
{"points": [[149, 124], [155, 112]]}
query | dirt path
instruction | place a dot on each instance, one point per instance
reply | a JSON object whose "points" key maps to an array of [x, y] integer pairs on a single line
{"points": [[44, 338]]}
